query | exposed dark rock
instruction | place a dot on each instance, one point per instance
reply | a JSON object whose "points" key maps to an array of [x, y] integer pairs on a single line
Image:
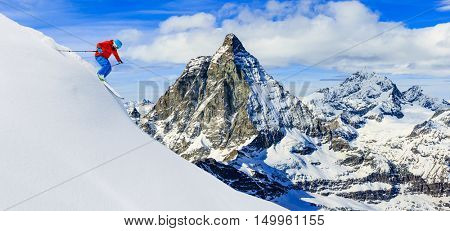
{"points": [[372, 196], [353, 160], [339, 144], [135, 114], [257, 185], [305, 148]]}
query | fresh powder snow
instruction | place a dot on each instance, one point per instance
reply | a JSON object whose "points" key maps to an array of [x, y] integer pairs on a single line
{"points": [[59, 126]]}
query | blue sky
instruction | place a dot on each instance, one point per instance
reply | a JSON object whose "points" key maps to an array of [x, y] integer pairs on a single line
{"points": [[145, 24], [150, 13]]}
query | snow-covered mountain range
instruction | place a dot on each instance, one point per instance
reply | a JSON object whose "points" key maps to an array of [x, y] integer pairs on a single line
{"points": [[136, 109], [67, 144], [361, 145]]}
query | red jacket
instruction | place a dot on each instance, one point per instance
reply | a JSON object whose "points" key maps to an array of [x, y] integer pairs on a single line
{"points": [[107, 49]]}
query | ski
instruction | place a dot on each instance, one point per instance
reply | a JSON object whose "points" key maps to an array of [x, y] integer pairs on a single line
{"points": [[114, 92]]}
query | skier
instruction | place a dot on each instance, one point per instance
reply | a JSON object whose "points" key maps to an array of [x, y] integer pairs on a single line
{"points": [[104, 51]]}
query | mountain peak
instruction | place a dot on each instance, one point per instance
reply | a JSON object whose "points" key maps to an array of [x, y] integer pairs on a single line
{"points": [[362, 76], [232, 44], [415, 95], [226, 102], [230, 47], [233, 41]]}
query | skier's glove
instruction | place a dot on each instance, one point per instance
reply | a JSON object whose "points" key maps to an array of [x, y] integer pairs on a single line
{"points": [[120, 61], [99, 50]]}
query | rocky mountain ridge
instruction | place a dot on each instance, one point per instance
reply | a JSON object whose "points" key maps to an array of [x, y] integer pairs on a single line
{"points": [[362, 141], [224, 102]]}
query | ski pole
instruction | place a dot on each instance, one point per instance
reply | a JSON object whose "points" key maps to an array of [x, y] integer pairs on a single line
{"points": [[116, 64], [74, 51]]}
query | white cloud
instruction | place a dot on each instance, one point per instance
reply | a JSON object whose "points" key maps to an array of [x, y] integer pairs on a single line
{"points": [[306, 32], [183, 23], [228, 9], [276, 8], [445, 5], [129, 35], [176, 48]]}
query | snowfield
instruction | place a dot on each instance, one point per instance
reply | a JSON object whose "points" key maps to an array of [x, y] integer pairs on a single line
{"points": [[58, 121]]}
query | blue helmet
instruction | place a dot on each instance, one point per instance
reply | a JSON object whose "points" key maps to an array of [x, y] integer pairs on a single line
{"points": [[117, 44]]}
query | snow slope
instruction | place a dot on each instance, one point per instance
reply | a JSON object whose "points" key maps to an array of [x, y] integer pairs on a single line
{"points": [[58, 121]]}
